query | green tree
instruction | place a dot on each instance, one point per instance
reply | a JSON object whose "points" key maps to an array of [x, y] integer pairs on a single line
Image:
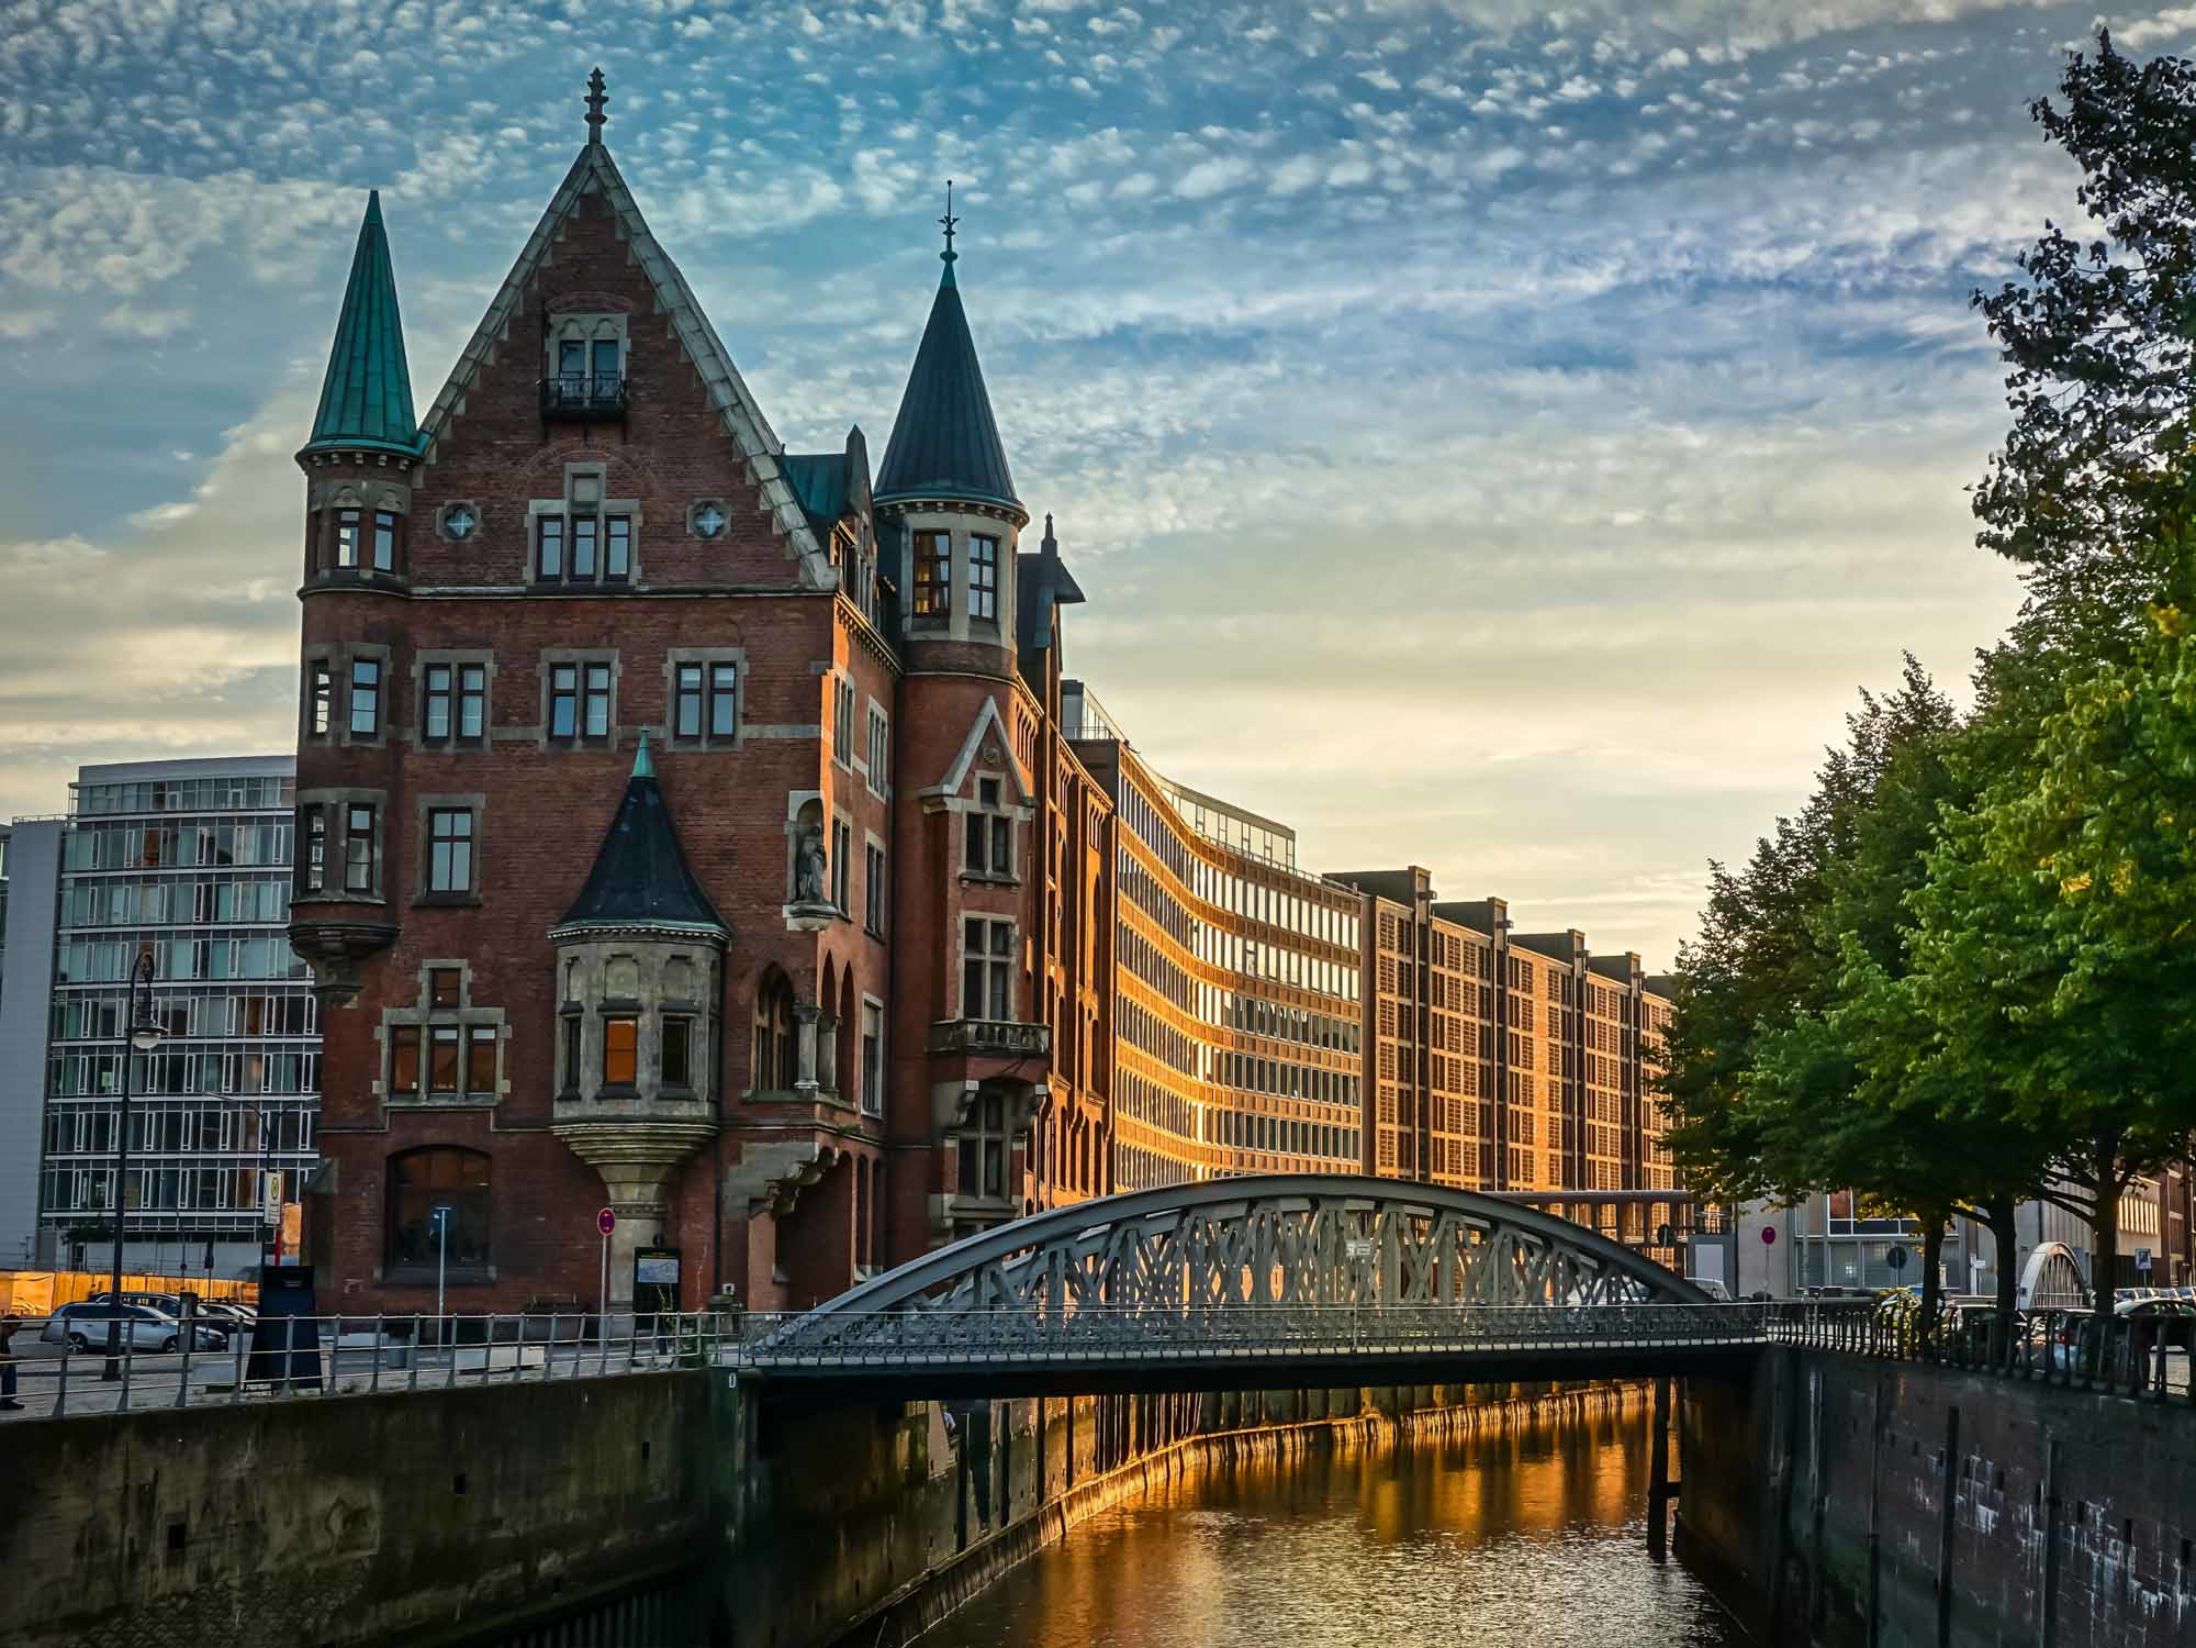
{"points": [[2100, 339], [2053, 948]]}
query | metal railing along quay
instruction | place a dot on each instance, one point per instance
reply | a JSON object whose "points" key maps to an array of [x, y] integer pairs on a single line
{"points": [[306, 1357], [309, 1358]]}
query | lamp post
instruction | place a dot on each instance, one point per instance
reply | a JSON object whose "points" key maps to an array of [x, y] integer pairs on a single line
{"points": [[142, 1036]]}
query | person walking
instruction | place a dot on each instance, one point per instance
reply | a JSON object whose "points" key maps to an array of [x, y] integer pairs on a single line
{"points": [[8, 1324]]}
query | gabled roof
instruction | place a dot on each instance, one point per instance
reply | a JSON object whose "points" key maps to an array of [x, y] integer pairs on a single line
{"points": [[945, 443], [366, 398], [594, 172], [641, 878], [819, 480]]}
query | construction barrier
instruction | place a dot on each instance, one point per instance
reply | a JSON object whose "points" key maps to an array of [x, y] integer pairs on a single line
{"points": [[42, 1292]]}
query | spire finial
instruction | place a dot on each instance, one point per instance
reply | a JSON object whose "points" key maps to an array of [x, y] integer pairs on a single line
{"points": [[596, 98], [1049, 544], [643, 767], [949, 220]]}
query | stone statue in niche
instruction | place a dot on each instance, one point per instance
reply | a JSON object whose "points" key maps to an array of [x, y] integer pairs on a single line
{"points": [[810, 866]]}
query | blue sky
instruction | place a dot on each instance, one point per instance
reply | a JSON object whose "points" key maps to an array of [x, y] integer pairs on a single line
{"points": [[1492, 435]]}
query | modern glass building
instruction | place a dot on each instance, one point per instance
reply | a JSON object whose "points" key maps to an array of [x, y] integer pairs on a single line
{"points": [[189, 860]]}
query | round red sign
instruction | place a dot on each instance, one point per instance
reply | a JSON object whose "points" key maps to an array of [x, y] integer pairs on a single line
{"points": [[606, 1221], [1768, 1233]]}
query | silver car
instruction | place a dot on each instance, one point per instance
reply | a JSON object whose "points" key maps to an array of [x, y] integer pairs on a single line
{"points": [[85, 1325]]}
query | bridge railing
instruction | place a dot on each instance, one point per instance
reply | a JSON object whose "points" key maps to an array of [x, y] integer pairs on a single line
{"points": [[69, 1373], [1080, 1335]]}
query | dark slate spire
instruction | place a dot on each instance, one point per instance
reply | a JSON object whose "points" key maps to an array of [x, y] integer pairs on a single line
{"points": [[944, 442], [640, 878], [366, 399]]}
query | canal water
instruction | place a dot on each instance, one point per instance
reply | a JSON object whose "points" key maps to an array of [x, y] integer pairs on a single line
{"points": [[1533, 1537]]}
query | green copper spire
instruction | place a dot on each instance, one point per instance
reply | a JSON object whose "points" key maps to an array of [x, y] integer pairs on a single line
{"points": [[366, 400], [642, 766]]}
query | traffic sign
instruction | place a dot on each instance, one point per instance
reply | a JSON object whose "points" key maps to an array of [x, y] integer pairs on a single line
{"points": [[440, 1215], [1896, 1258], [606, 1221], [2142, 1260]]}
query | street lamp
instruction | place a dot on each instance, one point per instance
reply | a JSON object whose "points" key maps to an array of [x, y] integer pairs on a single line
{"points": [[143, 1036]]}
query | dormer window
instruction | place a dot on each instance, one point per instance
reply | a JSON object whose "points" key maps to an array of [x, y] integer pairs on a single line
{"points": [[983, 578], [583, 375]]}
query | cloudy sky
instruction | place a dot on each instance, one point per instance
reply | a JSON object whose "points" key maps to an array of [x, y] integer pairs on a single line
{"points": [[1493, 436]]}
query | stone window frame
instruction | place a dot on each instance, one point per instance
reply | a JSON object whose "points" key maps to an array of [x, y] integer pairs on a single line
{"points": [[467, 1016], [1015, 813], [705, 656], [578, 477], [338, 801], [879, 782], [582, 656], [882, 1064], [321, 657], [369, 497], [424, 808], [471, 506], [1009, 958], [582, 1013], [839, 864], [588, 326], [876, 890], [456, 658], [723, 506], [845, 701], [339, 656]]}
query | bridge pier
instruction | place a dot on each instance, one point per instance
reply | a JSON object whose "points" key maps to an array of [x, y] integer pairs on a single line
{"points": [[1658, 1473]]}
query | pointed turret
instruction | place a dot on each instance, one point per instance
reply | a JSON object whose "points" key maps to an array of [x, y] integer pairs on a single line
{"points": [[641, 878], [945, 444], [366, 401]]}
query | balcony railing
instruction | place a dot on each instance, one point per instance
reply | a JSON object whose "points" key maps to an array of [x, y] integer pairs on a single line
{"points": [[991, 1038], [583, 395]]}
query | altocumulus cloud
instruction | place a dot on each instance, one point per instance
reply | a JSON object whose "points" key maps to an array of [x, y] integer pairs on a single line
{"points": [[1493, 435]]}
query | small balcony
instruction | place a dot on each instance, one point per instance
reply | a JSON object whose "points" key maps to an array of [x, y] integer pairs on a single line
{"points": [[991, 1038], [583, 396]]}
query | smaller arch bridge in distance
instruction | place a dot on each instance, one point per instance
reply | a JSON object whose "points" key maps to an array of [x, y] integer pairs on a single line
{"points": [[1279, 1281]]}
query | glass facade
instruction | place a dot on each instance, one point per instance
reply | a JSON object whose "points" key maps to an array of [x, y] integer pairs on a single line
{"points": [[190, 861], [1237, 1010]]}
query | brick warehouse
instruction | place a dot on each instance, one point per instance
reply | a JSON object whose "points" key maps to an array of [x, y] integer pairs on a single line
{"points": [[705, 830]]}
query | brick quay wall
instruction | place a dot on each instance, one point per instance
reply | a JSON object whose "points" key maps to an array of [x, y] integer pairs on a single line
{"points": [[1853, 1503]]}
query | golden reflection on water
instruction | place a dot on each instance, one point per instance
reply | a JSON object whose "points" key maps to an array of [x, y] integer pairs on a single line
{"points": [[1509, 1540]]}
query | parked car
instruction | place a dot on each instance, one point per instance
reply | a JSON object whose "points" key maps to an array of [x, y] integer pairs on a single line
{"points": [[210, 1313], [84, 1325]]}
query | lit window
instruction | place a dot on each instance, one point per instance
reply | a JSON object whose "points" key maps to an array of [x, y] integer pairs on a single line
{"points": [[983, 578], [620, 1051], [480, 1060], [365, 697], [933, 574], [404, 1060], [450, 850]]}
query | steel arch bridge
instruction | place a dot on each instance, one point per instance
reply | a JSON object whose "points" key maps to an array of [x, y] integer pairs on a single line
{"points": [[1324, 1278]]}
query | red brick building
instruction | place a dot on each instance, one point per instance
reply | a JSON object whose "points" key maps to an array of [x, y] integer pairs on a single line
{"points": [[684, 825]]}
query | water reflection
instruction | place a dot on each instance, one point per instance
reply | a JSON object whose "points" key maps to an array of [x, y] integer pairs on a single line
{"points": [[1531, 1537]]}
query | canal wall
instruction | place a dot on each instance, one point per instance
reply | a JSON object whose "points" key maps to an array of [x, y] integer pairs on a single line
{"points": [[422, 1517], [1854, 1503]]}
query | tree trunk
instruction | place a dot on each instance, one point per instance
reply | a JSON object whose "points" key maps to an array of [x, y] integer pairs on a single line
{"points": [[1932, 1299], [2104, 1227], [1998, 1213]]}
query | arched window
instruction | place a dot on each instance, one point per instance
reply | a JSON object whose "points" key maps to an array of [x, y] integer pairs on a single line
{"points": [[777, 1062], [422, 1181]]}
